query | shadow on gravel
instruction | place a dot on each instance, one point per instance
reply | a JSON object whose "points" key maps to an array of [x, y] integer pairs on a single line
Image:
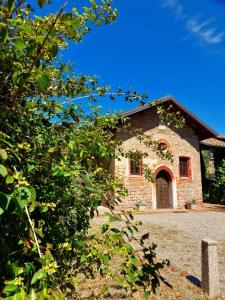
{"points": [[194, 280]]}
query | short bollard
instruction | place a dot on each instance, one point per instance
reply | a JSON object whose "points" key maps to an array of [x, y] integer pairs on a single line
{"points": [[210, 268]]}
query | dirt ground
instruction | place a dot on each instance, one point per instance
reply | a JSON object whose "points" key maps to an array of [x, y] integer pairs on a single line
{"points": [[178, 236]]}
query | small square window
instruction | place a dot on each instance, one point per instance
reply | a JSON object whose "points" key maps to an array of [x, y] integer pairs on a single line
{"points": [[135, 167], [184, 167]]}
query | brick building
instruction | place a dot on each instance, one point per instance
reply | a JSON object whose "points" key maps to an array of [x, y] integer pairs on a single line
{"points": [[175, 183]]}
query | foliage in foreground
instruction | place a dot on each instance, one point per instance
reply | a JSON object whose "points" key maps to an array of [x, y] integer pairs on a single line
{"points": [[217, 189], [52, 175], [219, 182], [214, 184]]}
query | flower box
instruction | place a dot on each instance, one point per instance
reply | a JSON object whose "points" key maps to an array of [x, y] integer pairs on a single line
{"points": [[191, 205], [142, 207]]}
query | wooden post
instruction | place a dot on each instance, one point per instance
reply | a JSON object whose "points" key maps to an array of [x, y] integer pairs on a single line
{"points": [[210, 268]]}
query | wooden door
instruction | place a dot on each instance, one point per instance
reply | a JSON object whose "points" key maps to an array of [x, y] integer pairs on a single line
{"points": [[162, 190]]}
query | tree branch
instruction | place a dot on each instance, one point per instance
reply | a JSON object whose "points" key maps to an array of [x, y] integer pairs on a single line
{"points": [[94, 95], [36, 58], [39, 52], [33, 230]]}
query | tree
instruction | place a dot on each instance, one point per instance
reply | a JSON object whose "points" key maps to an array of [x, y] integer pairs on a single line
{"points": [[51, 151], [218, 184], [214, 184]]}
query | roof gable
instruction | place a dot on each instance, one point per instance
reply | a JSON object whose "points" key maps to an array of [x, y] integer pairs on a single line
{"points": [[204, 131]]}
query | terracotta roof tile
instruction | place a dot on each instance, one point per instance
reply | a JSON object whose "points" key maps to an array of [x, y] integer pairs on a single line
{"points": [[221, 137], [214, 142]]}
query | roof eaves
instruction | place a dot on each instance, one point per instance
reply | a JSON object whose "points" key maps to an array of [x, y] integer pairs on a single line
{"points": [[213, 142], [213, 132], [167, 99], [147, 105], [221, 137]]}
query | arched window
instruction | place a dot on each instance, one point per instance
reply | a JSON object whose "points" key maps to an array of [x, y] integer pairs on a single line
{"points": [[163, 145]]}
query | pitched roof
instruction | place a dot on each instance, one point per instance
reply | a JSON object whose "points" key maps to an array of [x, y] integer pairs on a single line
{"points": [[199, 125], [221, 137], [219, 141]]}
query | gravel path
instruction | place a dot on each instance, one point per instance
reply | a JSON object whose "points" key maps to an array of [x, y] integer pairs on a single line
{"points": [[179, 235]]}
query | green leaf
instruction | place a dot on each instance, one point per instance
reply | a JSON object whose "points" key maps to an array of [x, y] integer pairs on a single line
{"points": [[66, 17], [105, 227], [29, 269], [3, 33], [113, 218], [66, 174], [81, 153], [83, 258], [53, 294], [116, 230], [39, 232], [21, 295], [9, 179], [54, 50], [4, 202], [10, 4], [41, 3], [72, 144], [23, 196], [146, 295], [33, 194], [17, 270], [80, 243], [134, 261], [131, 275], [145, 236], [3, 154], [38, 275], [10, 288], [43, 81], [20, 45], [106, 259], [3, 170], [15, 77], [98, 22], [131, 216], [43, 208], [94, 251], [33, 295]]}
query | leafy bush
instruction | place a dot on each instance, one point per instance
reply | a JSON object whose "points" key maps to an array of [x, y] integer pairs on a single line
{"points": [[218, 184], [214, 184], [52, 171]]}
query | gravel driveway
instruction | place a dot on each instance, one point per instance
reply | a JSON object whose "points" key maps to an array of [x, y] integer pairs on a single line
{"points": [[179, 235]]}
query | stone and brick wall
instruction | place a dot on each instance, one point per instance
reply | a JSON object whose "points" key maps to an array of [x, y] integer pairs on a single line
{"points": [[182, 142]]}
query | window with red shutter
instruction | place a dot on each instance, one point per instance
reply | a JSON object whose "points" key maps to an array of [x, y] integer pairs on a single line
{"points": [[184, 167], [135, 167]]}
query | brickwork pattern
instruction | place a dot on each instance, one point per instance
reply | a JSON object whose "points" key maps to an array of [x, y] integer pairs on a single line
{"points": [[182, 142]]}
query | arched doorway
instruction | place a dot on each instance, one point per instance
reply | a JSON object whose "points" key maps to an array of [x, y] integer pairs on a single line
{"points": [[163, 189]]}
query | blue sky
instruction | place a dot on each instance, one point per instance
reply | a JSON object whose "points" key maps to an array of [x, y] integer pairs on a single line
{"points": [[163, 47]]}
